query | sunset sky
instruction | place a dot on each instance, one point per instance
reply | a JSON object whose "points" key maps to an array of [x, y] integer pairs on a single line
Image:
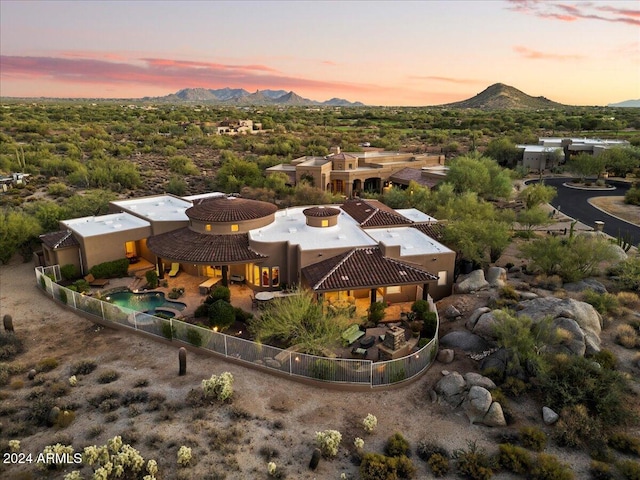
{"points": [[379, 53]]}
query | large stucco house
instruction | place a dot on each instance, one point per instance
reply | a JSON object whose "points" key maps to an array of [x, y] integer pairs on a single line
{"points": [[360, 247], [351, 173]]}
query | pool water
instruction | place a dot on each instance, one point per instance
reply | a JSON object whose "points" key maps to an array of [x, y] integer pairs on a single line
{"points": [[144, 302]]}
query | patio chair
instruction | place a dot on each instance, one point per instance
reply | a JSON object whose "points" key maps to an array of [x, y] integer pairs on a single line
{"points": [[175, 268], [96, 282]]}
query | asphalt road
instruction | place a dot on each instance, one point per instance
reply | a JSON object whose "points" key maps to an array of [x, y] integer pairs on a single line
{"points": [[574, 203]]}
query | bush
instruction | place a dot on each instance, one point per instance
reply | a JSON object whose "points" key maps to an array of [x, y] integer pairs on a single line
{"points": [[626, 336], [430, 325], [533, 438], [629, 469], [46, 364], [397, 445], [576, 427], [152, 278], [10, 345], [548, 467], [439, 465], [626, 274], [604, 303], [376, 312], [632, 197], [370, 422], [116, 268], [194, 337], [426, 449], [405, 467], [375, 466], [69, 271], [167, 329], [83, 367], [600, 471], [108, 376], [221, 315], [202, 311], [420, 308], [625, 443], [219, 293], [218, 386], [606, 359], [474, 462], [513, 458]]}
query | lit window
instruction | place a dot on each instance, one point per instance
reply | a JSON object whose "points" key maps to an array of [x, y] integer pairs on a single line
{"points": [[208, 227], [442, 278], [234, 227], [325, 223]]}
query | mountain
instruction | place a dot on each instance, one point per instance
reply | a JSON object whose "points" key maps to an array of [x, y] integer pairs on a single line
{"points": [[503, 97], [239, 96], [626, 103]]}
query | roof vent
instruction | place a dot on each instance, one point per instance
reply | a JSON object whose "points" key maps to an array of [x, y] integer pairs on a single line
{"points": [[342, 236], [402, 272], [344, 277], [293, 230]]}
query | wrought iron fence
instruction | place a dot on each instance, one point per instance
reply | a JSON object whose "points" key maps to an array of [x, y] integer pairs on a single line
{"points": [[336, 370]]}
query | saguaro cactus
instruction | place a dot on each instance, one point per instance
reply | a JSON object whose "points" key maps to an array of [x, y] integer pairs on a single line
{"points": [[182, 359], [8, 323]]}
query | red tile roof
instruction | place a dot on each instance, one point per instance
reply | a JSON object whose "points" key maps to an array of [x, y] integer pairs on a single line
{"points": [[363, 268], [185, 245], [230, 209], [60, 239], [408, 174], [321, 212], [371, 213], [433, 230]]}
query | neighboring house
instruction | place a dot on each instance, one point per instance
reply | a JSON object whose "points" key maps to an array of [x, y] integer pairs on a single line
{"points": [[235, 127], [551, 151], [361, 248], [351, 173], [14, 179]]}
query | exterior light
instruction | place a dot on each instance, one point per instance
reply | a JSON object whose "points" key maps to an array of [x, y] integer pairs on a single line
{"points": [[215, 329]]}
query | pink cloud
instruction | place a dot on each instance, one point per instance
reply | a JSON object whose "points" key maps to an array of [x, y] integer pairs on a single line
{"points": [[167, 73], [536, 55], [576, 11], [461, 81], [330, 63]]}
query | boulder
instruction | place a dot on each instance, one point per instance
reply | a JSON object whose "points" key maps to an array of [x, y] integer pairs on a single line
{"points": [[451, 388], [619, 253], [497, 277], [495, 416], [586, 284], [527, 295], [477, 403], [445, 355], [477, 313], [503, 362], [433, 396], [465, 341], [270, 362], [571, 337], [549, 417], [485, 326], [585, 316], [451, 312], [472, 283], [475, 379]]}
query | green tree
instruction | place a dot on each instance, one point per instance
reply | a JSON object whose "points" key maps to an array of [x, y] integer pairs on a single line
{"points": [[537, 194], [587, 165], [482, 175], [621, 161], [533, 217], [17, 229], [182, 165], [504, 151]]}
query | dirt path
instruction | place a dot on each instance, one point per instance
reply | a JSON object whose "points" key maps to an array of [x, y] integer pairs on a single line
{"points": [[266, 411]]}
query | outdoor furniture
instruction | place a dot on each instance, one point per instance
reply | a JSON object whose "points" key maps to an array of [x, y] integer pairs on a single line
{"points": [[96, 282], [351, 334], [205, 286], [359, 352], [175, 268], [236, 279], [368, 341]]}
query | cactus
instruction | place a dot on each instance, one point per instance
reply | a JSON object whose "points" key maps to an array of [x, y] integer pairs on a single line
{"points": [[22, 163], [182, 359], [572, 229], [624, 241], [8, 323], [315, 459]]}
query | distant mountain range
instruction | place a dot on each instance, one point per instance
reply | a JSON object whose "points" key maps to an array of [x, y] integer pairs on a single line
{"points": [[502, 97], [239, 97], [626, 103]]}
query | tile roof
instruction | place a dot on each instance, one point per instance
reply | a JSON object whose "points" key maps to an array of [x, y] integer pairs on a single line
{"points": [[408, 174], [185, 245], [363, 268], [230, 209], [321, 212], [59, 239], [433, 230], [371, 213]]}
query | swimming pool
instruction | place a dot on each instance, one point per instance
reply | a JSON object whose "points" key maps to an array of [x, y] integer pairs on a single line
{"points": [[146, 302]]}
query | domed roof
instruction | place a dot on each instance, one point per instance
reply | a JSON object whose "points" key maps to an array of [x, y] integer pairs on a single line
{"points": [[321, 212], [230, 209]]}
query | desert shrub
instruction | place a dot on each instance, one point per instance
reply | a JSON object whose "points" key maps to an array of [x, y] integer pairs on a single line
{"points": [[40, 409], [549, 282], [606, 359], [533, 438], [576, 427], [509, 292], [95, 431], [108, 376], [513, 458], [218, 386], [625, 443], [548, 467], [628, 299], [600, 471], [151, 276], [46, 364], [397, 445], [629, 469], [134, 396], [439, 465], [109, 396], [242, 315], [370, 422], [10, 345], [626, 274], [569, 380], [64, 419], [167, 329], [141, 383], [604, 303], [220, 292], [513, 386], [81, 286], [430, 325], [221, 315], [194, 337], [405, 467], [323, 369], [202, 310], [474, 462], [113, 269], [375, 466], [426, 449], [83, 367], [69, 271], [376, 312], [420, 308], [626, 336], [632, 197], [328, 442]]}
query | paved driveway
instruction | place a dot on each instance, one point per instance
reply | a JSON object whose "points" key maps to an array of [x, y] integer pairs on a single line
{"points": [[574, 203]]}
